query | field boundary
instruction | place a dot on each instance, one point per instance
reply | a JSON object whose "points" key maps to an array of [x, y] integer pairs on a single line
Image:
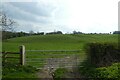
{"points": [[53, 50], [52, 60], [21, 54], [5, 57]]}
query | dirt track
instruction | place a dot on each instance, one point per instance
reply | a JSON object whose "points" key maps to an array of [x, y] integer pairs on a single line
{"points": [[69, 62]]}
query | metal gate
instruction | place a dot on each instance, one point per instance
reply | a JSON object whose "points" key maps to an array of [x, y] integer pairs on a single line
{"points": [[48, 59]]}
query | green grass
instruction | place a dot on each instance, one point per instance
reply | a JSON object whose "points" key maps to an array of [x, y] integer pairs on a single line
{"points": [[53, 42], [60, 73], [11, 70]]}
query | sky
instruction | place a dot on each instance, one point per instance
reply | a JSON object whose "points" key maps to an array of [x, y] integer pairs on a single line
{"points": [[87, 16]]}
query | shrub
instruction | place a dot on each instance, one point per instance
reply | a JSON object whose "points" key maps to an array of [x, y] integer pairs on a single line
{"points": [[102, 62], [59, 73], [109, 72], [102, 54]]}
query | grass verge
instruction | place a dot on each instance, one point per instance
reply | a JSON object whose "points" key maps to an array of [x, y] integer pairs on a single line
{"points": [[15, 71]]}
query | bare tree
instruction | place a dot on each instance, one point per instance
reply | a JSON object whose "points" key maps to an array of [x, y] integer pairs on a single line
{"points": [[6, 24]]}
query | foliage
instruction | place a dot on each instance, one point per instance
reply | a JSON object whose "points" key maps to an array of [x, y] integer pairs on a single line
{"points": [[75, 32], [8, 34], [56, 42], [11, 70], [102, 54], [55, 32], [59, 73], [116, 32], [89, 71], [109, 72], [101, 61]]}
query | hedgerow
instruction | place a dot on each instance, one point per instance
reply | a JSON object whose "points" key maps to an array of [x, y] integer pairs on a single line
{"points": [[103, 54]]}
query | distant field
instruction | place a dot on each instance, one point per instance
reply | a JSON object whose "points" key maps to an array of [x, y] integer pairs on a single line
{"points": [[56, 42]]}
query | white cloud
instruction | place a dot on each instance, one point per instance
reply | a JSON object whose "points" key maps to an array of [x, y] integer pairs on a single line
{"points": [[66, 15]]}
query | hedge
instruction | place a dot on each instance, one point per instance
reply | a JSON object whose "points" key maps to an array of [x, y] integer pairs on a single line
{"points": [[102, 54]]}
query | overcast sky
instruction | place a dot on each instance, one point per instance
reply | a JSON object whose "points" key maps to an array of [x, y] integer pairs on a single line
{"points": [[63, 15]]}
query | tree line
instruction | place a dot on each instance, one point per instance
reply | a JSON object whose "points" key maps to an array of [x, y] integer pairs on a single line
{"points": [[10, 34]]}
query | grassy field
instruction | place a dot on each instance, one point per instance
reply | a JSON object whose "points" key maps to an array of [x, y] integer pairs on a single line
{"points": [[55, 42]]}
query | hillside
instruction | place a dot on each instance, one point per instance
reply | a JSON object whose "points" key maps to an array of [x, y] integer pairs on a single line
{"points": [[56, 42]]}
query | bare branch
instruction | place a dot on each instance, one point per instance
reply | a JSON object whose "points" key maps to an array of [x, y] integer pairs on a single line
{"points": [[6, 23]]}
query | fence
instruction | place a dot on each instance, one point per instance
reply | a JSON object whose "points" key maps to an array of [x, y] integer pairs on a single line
{"points": [[46, 58], [21, 55]]}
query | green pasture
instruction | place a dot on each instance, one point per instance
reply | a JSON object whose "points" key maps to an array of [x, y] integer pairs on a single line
{"points": [[56, 42], [52, 42]]}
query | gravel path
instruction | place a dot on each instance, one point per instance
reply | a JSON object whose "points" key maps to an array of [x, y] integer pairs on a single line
{"points": [[69, 62]]}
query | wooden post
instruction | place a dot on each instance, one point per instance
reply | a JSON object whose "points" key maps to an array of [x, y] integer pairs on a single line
{"points": [[22, 55]]}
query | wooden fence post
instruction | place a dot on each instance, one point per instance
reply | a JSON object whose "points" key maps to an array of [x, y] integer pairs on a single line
{"points": [[22, 55]]}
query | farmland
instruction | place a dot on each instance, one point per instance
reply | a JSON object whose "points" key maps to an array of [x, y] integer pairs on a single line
{"points": [[56, 42]]}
